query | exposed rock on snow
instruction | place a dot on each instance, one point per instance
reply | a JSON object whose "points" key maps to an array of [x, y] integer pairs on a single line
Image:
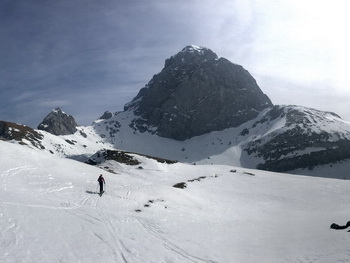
{"points": [[20, 133], [307, 138], [58, 123], [106, 115], [119, 156], [122, 157], [338, 227]]}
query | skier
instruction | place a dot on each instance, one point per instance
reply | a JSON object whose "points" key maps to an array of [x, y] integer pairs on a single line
{"points": [[101, 181]]}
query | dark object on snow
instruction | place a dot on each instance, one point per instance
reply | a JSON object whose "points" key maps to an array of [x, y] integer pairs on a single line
{"points": [[338, 227], [122, 157], [91, 192], [181, 185], [101, 181], [196, 179], [106, 115]]}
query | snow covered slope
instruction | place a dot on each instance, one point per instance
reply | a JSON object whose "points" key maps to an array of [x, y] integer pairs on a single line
{"points": [[50, 212], [291, 139], [80, 145], [281, 139]]}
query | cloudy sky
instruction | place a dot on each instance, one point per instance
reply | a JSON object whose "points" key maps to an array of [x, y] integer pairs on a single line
{"points": [[89, 56]]}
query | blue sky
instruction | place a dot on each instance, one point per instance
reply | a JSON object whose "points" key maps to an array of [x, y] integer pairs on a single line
{"points": [[89, 56]]}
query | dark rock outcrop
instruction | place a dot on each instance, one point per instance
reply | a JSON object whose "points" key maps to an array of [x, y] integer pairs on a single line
{"points": [[23, 134], [58, 123], [122, 157], [118, 156], [338, 227], [196, 93], [106, 115]]}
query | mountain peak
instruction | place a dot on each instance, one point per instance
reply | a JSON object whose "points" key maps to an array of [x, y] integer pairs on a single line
{"points": [[57, 110], [58, 122], [194, 48], [192, 54], [196, 93]]}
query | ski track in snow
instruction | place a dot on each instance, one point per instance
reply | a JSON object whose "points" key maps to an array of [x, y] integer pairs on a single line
{"points": [[9, 230], [64, 206], [154, 230], [17, 170], [115, 226], [50, 212]]}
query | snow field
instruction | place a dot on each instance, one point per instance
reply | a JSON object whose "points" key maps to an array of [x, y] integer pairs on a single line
{"points": [[50, 212]]}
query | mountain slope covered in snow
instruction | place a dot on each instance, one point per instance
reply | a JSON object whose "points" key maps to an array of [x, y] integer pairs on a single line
{"points": [[50, 212], [291, 139], [281, 138]]}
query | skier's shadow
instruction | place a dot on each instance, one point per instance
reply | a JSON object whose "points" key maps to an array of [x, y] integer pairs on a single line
{"points": [[92, 192]]}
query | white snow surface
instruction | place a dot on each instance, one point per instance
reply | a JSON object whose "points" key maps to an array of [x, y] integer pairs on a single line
{"points": [[193, 48], [50, 212]]}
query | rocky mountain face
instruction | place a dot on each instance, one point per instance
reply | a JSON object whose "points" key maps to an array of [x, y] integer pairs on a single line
{"points": [[196, 93], [58, 123], [293, 137], [22, 134], [280, 139]]}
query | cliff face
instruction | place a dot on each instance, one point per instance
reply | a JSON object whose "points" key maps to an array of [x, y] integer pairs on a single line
{"points": [[196, 93]]}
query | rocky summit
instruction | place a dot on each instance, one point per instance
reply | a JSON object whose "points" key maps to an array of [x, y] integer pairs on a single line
{"points": [[58, 123], [196, 93]]}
